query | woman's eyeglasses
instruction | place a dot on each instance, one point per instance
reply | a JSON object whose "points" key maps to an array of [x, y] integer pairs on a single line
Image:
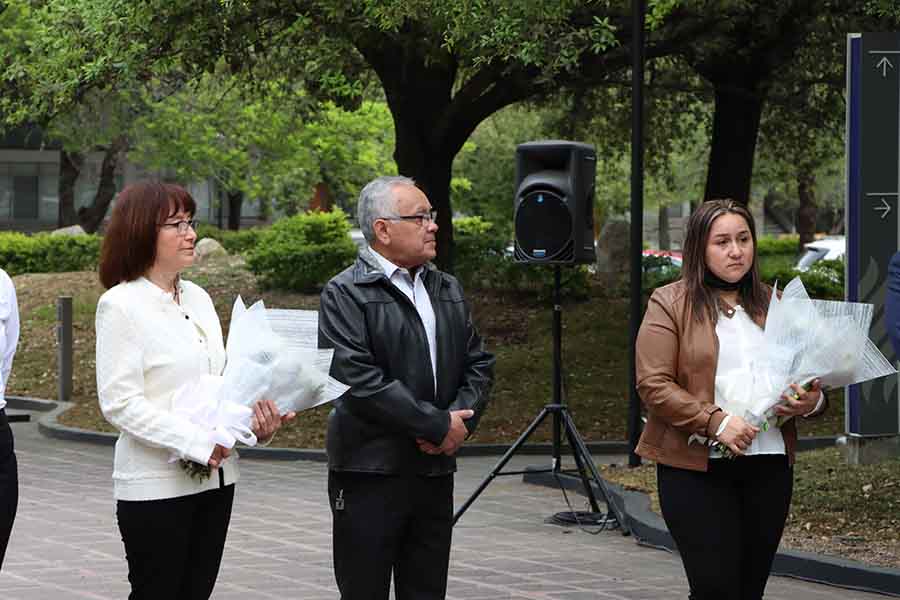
{"points": [[182, 226]]}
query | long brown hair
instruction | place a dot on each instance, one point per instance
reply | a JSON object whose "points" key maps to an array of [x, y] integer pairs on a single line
{"points": [[704, 300], [129, 244]]}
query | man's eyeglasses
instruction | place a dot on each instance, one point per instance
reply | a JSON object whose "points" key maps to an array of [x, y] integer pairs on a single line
{"points": [[420, 219], [182, 226]]}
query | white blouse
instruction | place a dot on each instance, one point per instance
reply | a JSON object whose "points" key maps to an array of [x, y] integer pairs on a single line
{"points": [[147, 347], [740, 339], [9, 331]]}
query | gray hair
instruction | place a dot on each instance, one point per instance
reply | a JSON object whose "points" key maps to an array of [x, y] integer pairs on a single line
{"points": [[376, 201]]}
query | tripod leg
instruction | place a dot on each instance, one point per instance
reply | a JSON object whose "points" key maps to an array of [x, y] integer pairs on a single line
{"points": [[501, 463], [581, 448], [579, 462]]}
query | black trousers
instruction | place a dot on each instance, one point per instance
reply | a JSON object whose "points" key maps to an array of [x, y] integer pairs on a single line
{"points": [[391, 523], [727, 522], [9, 484], [174, 546]]}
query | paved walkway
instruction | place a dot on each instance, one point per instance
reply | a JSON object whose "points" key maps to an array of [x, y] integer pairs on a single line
{"points": [[66, 545]]}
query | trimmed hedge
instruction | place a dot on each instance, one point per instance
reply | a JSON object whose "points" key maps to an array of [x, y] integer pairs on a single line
{"points": [[235, 242], [824, 280], [301, 253], [768, 245], [45, 253]]}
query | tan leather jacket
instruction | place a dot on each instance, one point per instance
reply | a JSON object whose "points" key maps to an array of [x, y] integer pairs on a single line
{"points": [[676, 360]]}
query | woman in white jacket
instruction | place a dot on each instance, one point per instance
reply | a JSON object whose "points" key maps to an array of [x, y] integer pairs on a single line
{"points": [[9, 473], [156, 332]]}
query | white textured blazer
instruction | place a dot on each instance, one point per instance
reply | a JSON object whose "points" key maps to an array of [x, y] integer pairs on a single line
{"points": [[147, 347]]}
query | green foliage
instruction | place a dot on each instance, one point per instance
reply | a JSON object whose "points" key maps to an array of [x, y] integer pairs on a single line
{"points": [[483, 262], [479, 251], [768, 245], [485, 168], [210, 129], [824, 281], [45, 253], [235, 242], [657, 271], [351, 147], [301, 253]]}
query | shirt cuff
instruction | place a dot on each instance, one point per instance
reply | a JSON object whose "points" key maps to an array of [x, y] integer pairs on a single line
{"points": [[818, 405], [266, 443], [722, 426], [201, 448]]}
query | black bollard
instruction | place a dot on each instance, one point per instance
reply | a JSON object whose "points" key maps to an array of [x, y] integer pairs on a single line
{"points": [[64, 346]]}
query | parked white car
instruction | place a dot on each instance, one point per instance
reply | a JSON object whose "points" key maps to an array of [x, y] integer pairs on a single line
{"points": [[830, 248]]}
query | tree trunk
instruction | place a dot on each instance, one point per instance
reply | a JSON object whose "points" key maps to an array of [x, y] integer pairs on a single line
{"points": [[91, 217], [775, 214], [806, 213], [420, 152], [70, 164], [434, 180], [235, 203], [321, 199], [733, 144], [665, 243]]}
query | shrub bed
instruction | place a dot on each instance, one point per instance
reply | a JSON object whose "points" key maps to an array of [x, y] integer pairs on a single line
{"points": [[235, 242], [482, 261], [301, 253], [45, 253]]}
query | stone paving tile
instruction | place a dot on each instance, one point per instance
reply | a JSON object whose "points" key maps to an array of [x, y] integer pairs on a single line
{"points": [[66, 545]]}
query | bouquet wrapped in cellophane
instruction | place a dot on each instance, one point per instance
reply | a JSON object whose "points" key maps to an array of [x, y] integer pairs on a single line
{"points": [[804, 339], [271, 354]]}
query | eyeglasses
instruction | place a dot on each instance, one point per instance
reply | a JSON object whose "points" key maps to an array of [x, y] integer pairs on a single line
{"points": [[182, 226], [421, 220]]}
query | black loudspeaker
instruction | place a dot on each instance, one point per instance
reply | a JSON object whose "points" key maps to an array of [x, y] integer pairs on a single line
{"points": [[553, 214]]}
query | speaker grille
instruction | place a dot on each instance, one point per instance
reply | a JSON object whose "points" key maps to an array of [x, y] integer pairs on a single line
{"points": [[543, 226]]}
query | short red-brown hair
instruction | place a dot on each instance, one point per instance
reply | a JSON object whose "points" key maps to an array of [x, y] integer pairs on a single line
{"points": [[129, 244]]}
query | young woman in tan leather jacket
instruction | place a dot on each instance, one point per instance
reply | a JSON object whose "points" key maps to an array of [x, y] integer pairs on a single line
{"points": [[726, 515]]}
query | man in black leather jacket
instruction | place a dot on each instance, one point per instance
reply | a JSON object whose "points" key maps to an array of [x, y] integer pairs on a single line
{"points": [[419, 380]]}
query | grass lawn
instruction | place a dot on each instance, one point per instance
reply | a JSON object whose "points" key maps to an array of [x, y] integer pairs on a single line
{"points": [[518, 329]]}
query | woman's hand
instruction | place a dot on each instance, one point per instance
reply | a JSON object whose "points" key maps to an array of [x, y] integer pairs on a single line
{"points": [[266, 420], [218, 456], [799, 402], [737, 435]]}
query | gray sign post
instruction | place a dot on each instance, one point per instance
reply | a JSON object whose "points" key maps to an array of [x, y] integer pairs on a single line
{"points": [[872, 215]]}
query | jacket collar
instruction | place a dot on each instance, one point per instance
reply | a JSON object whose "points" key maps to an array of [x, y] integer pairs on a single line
{"points": [[368, 270], [159, 294]]}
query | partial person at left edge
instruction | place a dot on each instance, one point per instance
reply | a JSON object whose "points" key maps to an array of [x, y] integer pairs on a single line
{"points": [[156, 331], [9, 473]]}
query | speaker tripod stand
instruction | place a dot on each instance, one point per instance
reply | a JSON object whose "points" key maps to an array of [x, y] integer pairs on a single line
{"points": [[562, 423]]}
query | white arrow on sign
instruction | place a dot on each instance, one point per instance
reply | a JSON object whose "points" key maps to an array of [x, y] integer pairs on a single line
{"points": [[885, 208], [884, 64]]}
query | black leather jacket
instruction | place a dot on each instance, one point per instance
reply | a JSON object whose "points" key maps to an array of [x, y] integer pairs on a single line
{"points": [[381, 352]]}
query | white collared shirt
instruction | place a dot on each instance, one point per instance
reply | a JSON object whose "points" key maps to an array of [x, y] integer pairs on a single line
{"points": [[740, 339], [414, 289], [9, 331]]}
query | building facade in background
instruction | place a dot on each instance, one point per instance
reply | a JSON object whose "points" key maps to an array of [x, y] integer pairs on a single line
{"points": [[29, 185]]}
